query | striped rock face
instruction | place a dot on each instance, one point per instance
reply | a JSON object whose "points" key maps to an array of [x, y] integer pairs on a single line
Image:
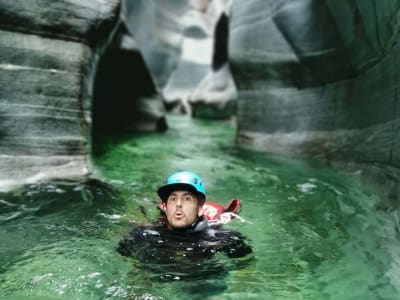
{"points": [[46, 49], [318, 77], [69, 68]]}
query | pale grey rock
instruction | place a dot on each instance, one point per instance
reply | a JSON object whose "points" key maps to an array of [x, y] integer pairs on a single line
{"points": [[64, 19], [157, 28], [216, 88], [30, 169], [177, 38], [46, 55], [215, 96], [195, 58], [318, 77]]}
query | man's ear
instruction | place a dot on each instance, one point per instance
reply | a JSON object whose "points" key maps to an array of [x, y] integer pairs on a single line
{"points": [[200, 211]]}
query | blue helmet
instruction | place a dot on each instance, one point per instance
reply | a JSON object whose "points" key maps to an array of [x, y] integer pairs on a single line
{"points": [[184, 180]]}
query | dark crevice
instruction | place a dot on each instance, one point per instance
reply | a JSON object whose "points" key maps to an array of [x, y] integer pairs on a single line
{"points": [[122, 78], [221, 38], [122, 90], [394, 129]]}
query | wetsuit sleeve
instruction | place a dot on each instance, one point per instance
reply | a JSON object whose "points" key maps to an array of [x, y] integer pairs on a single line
{"points": [[237, 247], [128, 244], [232, 243]]}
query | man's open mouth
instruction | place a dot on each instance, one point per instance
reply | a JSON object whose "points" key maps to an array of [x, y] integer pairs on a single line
{"points": [[178, 215]]}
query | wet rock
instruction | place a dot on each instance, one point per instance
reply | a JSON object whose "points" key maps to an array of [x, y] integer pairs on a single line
{"points": [[318, 77], [46, 53], [187, 55]]}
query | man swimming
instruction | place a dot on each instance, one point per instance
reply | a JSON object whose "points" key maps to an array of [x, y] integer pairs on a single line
{"points": [[183, 229]]}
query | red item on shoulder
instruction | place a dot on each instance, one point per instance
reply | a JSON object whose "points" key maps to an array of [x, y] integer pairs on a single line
{"points": [[212, 210]]}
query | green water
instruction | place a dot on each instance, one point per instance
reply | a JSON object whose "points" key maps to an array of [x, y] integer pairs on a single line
{"points": [[317, 233]]}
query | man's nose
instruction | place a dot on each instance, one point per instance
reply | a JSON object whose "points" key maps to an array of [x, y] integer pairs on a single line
{"points": [[179, 202]]}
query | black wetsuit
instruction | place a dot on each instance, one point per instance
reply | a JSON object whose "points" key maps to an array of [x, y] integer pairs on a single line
{"points": [[186, 248]]}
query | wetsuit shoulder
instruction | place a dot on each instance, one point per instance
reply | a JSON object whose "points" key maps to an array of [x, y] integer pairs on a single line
{"points": [[137, 237], [231, 242], [145, 240]]}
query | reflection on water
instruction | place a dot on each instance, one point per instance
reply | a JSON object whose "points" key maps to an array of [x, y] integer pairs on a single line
{"points": [[317, 233]]}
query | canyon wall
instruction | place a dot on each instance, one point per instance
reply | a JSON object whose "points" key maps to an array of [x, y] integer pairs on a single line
{"points": [[184, 44], [46, 58], [73, 71], [318, 77], [311, 77]]}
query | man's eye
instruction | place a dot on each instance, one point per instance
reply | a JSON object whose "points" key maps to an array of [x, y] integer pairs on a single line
{"points": [[171, 199], [188, 198]]}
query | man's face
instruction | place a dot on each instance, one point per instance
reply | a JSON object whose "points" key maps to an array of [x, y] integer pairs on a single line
{"points": [[182, 209]]}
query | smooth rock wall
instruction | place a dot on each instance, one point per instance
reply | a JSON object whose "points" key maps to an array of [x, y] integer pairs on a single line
{"points": [[318, 77], [184, 43], [46, 54], [158, 31], [72, 70]]}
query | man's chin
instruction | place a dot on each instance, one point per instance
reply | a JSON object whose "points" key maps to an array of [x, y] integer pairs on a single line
{"points": [[180, 224]]}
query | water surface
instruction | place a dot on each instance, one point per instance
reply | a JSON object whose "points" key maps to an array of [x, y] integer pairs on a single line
{"points": [[317, 233]]}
